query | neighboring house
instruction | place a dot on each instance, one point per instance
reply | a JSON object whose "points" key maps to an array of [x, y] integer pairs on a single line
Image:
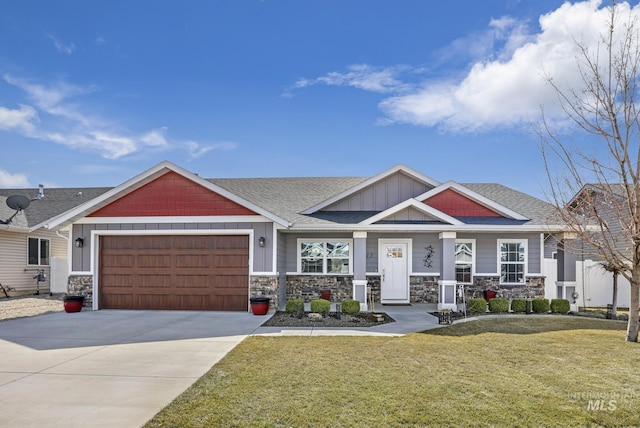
{"points": [[27, 247], [595, 285], [170, 239]]}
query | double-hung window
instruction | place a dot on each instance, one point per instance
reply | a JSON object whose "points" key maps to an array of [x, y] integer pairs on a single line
{"points": [[324, 256], [513, 256], [38, 252], [464, 261]]}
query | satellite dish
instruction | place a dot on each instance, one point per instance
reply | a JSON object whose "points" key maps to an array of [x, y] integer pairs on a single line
{"points": [[18, 202]]}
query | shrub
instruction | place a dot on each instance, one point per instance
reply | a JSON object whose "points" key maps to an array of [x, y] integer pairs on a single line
{"points": [[560, 306], [291, 307], [499, 304], [540, 306], [350, 306], [477, 305], [519, 305], [320, 306]]}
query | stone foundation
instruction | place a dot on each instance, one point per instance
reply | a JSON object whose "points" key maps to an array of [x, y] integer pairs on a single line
{"points": [[422, 289], [265, 286], [81, 285], [308, 288], [532, 287]]}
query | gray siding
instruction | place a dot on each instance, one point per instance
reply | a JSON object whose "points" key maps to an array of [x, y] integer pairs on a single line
{"points": [[420, 242], [291, 245], [382, 195], [487, 251], [262, 256]]}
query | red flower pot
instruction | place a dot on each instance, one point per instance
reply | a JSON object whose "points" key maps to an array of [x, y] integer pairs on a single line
{"points": [[259, 305], [325, 294], [73, 303], [489, 294]]}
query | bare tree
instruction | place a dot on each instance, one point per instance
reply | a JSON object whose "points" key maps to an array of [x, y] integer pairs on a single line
{"points": [[614, 299], [605, 215]]}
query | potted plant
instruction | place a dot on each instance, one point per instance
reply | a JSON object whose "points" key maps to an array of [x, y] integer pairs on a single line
{"points": [[73, 303], [325, 294], [259, 305]]}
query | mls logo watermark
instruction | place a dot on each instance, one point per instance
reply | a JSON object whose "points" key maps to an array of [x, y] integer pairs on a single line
{"points": [[602, 401], [602, 405]]}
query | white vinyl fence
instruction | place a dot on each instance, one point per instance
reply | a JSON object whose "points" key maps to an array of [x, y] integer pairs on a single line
{"points": [[594, 284]]}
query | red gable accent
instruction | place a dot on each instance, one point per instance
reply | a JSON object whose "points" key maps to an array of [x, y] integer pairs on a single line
{"points": [[456, 205], [172, 195]]}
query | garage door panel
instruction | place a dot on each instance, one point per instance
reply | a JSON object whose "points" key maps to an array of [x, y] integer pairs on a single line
{"points": [[198, 272], [154, 261]]}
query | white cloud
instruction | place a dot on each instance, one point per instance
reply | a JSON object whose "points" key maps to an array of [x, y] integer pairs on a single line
{"points": [[22, 119], [509, 89], [361, 76], [197, 150], [65, 48], [8, 180], [66, 121]]}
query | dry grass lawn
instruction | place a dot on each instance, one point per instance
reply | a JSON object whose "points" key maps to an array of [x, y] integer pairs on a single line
{"points": [[534, 371]]}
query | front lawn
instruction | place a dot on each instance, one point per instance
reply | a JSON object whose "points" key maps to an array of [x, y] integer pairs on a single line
{"points": [[538, 371]]}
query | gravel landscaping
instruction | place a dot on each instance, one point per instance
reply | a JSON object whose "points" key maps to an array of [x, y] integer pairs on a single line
{"points": [[30, 305], [284, 319]]}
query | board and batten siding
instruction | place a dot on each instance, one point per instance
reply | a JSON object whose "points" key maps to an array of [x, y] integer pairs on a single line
{"points": [[381, 195], [420, 243], [13, 259], [262, 257], [487, 251]]}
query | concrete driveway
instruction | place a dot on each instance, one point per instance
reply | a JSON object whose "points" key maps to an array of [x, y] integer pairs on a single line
{"points": [[108, 368]]}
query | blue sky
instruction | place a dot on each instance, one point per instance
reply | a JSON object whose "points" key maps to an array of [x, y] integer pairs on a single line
{"points": [[93, 93]]}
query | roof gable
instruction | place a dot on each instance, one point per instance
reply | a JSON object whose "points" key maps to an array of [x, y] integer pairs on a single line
{"points": [[457, 205], [172, 194], [148, 176], [411, 211], [378, 193], [459, 201]]}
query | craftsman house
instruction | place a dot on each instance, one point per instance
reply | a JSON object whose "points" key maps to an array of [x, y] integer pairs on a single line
{"points": [[170, 239]]}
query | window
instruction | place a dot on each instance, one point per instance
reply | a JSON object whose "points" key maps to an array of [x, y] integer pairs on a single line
{"points": [[464, 262], [324, 256], [513, 255], [38, 252]]}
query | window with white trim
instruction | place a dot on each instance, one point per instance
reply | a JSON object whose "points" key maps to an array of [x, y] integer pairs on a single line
{"points": [[38, 251], [324, 256], [464, 261], [513, 257]]}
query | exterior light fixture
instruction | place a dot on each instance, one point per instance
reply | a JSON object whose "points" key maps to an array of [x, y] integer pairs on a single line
{"points": [[79, 242], [261, 241]]}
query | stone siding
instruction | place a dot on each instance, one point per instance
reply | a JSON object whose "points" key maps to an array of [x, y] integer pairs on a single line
{"points": [[265, 286], [532, 287], [307, 287], [81, 285], [422, 289]]}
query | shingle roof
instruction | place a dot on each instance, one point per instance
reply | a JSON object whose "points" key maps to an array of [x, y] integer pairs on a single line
{"points": [[55, 201], [284, 197]]}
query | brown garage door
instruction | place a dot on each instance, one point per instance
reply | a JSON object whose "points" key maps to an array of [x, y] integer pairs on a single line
{"points": [[179, 272]]}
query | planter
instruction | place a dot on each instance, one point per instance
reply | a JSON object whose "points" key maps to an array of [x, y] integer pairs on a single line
{"points": [[73, 303], [325, 294], [259, 305], [489, 294]]}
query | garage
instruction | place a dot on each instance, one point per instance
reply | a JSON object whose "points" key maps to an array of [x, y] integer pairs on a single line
{"points": [[174, 272]]}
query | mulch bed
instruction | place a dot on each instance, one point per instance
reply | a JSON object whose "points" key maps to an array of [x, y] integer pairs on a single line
{"points": [[284, 319]]}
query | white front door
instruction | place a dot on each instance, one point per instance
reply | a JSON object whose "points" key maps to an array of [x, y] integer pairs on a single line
{"points": [[394, 271]]}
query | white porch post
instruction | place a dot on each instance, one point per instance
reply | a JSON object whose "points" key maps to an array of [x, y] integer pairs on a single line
{"points": [[447, 281], [360, 269], [566, 283]]}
